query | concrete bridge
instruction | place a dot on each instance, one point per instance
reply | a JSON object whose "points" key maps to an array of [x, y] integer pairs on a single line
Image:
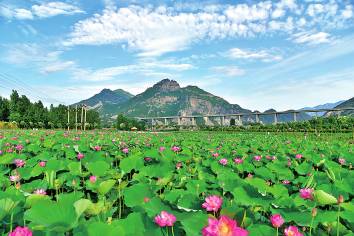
{"points": [[237, 118]]}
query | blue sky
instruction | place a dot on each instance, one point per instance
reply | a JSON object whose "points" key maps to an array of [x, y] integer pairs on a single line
{"points": [[259, 54]]}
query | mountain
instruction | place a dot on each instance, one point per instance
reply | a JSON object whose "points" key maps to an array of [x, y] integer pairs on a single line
{"points": [[269, 118], [168, 98], [323, 106], [345, 104], [106, 100]]}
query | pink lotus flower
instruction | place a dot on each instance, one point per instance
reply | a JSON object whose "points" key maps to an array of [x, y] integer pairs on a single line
{"points": [[249, 175], [97, 148], [176, 149], [161, 149], [1, 152], [179, 165], [165, 219], [15, 178], [21, 231], [125, 150], [80, 156], [19, 147], [212, 203], [286, 182], [19, 162], [223, 161], [146, 199], [40, 192], [42, 163], [257, 158], [238, 161], [93, 179], [225, 226], [306, 193], [215, 154], [276, 220], [298, 156], [341, 161], [147, 159], [9, 150], [292, 231], [1, 137]]}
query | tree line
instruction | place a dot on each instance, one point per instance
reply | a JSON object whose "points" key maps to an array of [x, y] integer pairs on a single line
{"points": [[20, 110]]}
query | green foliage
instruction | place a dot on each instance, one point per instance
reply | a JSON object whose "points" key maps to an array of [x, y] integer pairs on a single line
{"points": [[25, 114], [110, 192]]}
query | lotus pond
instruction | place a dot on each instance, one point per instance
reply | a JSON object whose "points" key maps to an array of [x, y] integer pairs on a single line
{"points": [[188, 183]]}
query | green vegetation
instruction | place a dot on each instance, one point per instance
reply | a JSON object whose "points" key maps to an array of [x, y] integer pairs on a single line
{"points": [[20, 110], [116, 183], [125, 123]]}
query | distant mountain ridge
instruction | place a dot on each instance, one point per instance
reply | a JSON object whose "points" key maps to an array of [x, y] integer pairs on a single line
{"points": [[322, 106], [168, 98]]}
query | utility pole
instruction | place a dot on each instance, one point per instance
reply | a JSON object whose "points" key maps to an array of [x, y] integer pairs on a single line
{"points": [[68, 118], [85, 119], [82, 116], [76, 118]]}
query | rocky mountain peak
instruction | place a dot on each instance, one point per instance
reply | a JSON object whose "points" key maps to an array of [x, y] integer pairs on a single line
{"points": [[167, 85]]}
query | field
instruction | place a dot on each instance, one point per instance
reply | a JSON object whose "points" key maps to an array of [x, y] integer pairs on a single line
{"points": [[130, 183]]}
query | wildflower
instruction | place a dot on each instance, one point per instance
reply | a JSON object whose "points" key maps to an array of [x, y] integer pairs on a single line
{"points": [[238, 160], [277, 220], [341, 161], [42, 163], [80, 156], [21, 231], [223, 161], [298, 156], [306, 193], [292, 231], [19, 162], [125, 150], [165, 219], [225, 226], [257, 158], [249, 175], [161, 149], [212, 203], [40, 192], [286, 182], [176, 149], [93, 179]]}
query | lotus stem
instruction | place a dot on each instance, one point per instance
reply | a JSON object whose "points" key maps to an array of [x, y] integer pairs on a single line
{"points": [[173, 233], [278, 231], [11, 221], [338, 219]]}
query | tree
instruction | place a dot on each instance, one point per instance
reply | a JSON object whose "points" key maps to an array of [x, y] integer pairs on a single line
{"points": [[4, 109]]}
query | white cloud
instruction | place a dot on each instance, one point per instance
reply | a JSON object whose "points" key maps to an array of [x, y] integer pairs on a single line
{"points": [[57, 66], [231, 71], [151, 68], [155, 31], [312, 38], [348, 12], [266, 56], [55, 8], [23, 14], [44, 10]]}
